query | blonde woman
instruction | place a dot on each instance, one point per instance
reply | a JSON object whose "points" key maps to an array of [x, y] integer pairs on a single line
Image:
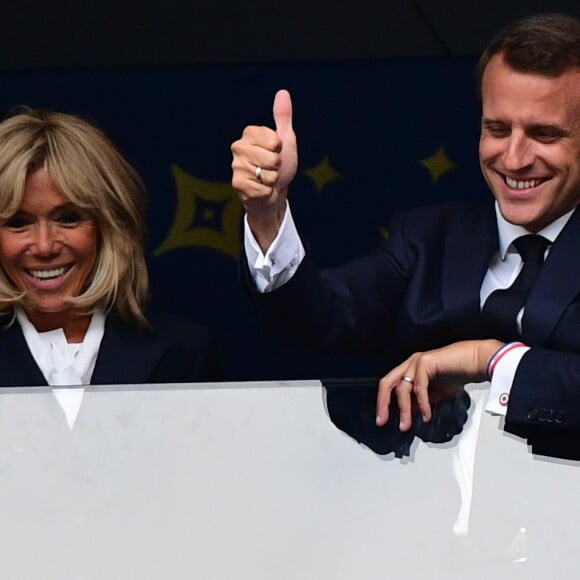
{"points": [[73, 278]]}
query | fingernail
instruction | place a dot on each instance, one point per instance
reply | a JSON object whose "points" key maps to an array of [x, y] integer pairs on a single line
{"points": [[425, 420], [378, 420], [401, 426]]}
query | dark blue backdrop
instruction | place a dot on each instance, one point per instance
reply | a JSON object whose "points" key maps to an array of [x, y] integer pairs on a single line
{"points": [[374, 137]]}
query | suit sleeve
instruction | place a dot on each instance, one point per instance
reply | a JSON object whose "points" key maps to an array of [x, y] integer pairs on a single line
{"points": [[347, 310], [544, 402]]}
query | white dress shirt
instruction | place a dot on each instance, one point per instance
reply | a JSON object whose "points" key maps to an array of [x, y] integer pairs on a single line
{"points": [[280, 262]]}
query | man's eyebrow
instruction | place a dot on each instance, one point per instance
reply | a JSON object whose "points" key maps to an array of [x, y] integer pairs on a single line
{"points": [[535, 128], [488, 121]]}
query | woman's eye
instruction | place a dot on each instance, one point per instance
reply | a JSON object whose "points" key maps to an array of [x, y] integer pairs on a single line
{"points": [[16, 222], [69, 218]]}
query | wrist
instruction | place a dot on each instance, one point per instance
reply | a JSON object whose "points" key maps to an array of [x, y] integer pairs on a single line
{"points": [[487, 350], [265, 222]]}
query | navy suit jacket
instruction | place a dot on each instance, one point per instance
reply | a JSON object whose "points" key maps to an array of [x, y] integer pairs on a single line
{"points": [[420, 290], [172, 351]]}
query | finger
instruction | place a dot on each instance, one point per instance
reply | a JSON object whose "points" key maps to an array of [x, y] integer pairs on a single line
{"points": [[254, 167], [386, 386], [267, 160], [421, 392], [255, 139], [404, 390], [282, 110], [265, 176], [249, 186], [384, 399]]}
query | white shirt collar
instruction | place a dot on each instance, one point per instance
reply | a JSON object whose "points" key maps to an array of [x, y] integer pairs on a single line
{"points": [[509, 232]]}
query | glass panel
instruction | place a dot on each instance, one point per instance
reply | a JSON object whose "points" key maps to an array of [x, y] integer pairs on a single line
{"points": [[251, 480]]}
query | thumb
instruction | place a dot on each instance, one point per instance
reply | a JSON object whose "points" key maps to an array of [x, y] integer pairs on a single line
{"points": [[283, 113], [289, 154]]}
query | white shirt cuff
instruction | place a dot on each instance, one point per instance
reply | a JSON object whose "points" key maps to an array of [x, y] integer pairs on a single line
{"points": [[280, 262], [503, 378]]}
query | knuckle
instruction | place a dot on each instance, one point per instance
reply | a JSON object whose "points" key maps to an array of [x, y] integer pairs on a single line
{"points": [[389, 388], [270, 178], [236, 184], [248, 131], [274, 162]]}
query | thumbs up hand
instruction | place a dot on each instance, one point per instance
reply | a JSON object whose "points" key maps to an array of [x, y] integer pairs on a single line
{"points": [[264, 163]]}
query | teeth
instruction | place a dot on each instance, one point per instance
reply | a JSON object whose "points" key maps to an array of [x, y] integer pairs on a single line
{"points": [[48, 274], [515, 184]]}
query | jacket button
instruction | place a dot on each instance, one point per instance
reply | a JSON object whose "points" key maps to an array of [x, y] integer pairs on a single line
{"points": [[543, 415], [560, 418], [533, 414]]}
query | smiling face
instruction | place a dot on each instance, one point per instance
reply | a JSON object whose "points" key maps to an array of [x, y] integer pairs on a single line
{"points": [[48, 249], [529, 148]]}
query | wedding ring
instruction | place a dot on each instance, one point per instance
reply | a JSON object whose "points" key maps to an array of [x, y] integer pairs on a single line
{"points": [[408, 380], [258, 173]]}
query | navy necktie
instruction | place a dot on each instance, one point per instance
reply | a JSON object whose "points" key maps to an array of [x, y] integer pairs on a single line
{"points": [[500, 311]]}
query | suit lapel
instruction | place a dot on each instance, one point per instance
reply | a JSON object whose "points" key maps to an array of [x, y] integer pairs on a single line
{"points": [[18, 367], [127, 354], [557, 286], [469, 248]]}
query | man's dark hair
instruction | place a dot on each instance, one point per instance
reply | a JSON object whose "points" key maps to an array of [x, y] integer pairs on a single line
{"points": [[543, 44]]}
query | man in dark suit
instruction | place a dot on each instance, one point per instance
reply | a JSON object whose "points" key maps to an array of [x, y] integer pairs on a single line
{"points": [[461, 290]]}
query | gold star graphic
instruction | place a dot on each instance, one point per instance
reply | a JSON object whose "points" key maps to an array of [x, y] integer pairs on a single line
{"points": [[322, 174], [208, 215], [438, 164], [384, 233]]}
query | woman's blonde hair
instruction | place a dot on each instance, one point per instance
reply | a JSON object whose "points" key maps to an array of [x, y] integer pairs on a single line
{"points": [[87, 169]]}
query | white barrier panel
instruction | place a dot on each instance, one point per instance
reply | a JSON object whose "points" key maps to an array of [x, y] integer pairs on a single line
{"points": [[251, 480]]}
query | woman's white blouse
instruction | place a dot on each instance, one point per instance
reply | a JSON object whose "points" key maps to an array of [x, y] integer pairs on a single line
{"points": [[64, 363]]}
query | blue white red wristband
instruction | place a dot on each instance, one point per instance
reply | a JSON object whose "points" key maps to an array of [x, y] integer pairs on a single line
{"points": [[499, 354]]}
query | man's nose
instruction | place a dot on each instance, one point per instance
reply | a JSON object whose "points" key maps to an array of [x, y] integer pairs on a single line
{"points": [[45, 240], [519, 153]]}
